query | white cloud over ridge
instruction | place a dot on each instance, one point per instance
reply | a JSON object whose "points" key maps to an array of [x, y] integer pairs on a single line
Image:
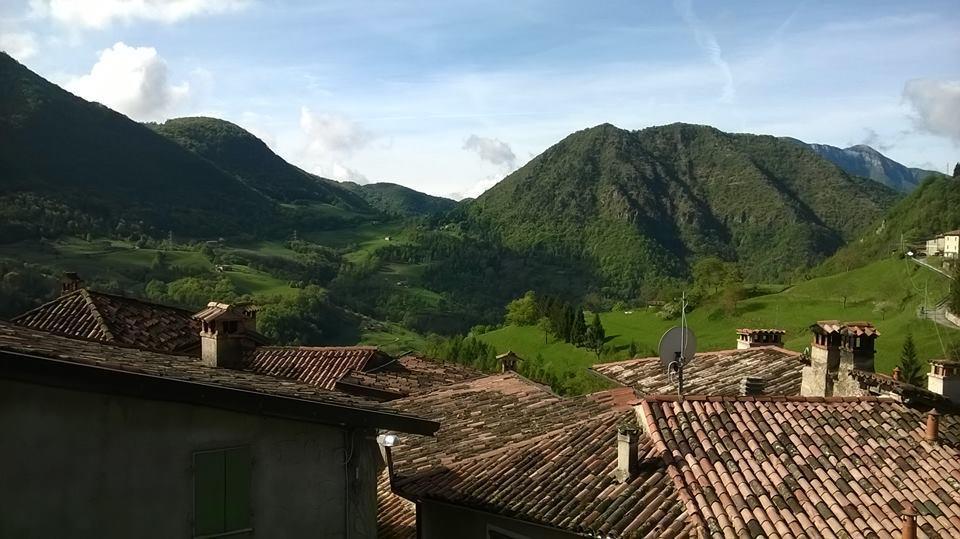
{"points": [[492, 150], [98, 14], [936, 104], [130, 80], [330, 140], [20, 45]]}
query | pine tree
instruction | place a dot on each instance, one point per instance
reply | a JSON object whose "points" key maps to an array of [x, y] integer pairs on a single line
{"points": [[911, 370], [596, 336], [956, 171], [578, 332]]}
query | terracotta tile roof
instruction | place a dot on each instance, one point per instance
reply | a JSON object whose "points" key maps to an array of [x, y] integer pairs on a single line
{"points": [[116, 320], [827, 326], [880, 384], [714, 373], [510, 446], [408, 375], [802, 466], [317, 366], [396, 515], [25, 348], [566, 480]]}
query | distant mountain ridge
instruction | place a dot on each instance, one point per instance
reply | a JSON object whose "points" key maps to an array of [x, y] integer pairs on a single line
{"points": [[400, 201], [645, 204], [862, 160]]}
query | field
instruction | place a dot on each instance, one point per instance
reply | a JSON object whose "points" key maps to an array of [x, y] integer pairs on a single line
{"points": [[887, 293]]}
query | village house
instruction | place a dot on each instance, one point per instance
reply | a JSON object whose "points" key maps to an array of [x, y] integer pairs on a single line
{"points": [[946, 245], [110, 441]]}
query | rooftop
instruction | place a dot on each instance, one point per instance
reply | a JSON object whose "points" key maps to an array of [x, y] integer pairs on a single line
{"points": [[405, 376], [493, 420], [716, 373], [113, 319], [782, 466], [317, 366], [39, 357]]}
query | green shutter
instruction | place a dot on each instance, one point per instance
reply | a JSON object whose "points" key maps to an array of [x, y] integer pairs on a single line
{"points": [[208, 493], [237, 498]]}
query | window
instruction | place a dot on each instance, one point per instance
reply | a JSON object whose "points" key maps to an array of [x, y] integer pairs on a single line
{"points": [[221, 492]]}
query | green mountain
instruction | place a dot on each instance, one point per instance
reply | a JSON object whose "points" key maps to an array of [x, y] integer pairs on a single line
{"points": [[643, 205], [397, 200], [246, 157], [69, 166], [931, 209]]}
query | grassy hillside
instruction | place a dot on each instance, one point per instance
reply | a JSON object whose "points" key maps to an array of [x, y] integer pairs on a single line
{"points": [[644, 204], [932, 208], [900, 283]]}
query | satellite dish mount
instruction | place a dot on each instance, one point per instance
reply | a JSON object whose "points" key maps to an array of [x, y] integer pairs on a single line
{"points": [[677, 347]]}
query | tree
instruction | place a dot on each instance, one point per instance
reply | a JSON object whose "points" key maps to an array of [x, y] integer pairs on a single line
{"points": [[632, 350], [546, 326], [596, 336], [956, 171], [733, 293], [881, 308], [911, 370], [709, 274], [578, 330], [523, 311]]}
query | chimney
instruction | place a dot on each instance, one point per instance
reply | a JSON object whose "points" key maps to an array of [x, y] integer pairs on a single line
{"points": [[825, 347], [508, 361], [71, 282], [227, 333], [754, 338], [857, 345], [932, 433], [628, 461], [944, 379], [909, 517], [751, 386], [896, 373]]}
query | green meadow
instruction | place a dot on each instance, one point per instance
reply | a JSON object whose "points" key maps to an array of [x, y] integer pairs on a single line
{"points": [[887, 293]]}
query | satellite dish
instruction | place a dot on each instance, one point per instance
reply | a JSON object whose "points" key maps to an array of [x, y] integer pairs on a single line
{"points": [[677, 344]]}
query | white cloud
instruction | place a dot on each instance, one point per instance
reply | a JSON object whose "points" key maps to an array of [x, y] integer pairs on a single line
{"points": [[20, 45], [131, 80], [101, 13], [708, 42], [330, 140], [476, 189], [936, 104], [492, 150]]}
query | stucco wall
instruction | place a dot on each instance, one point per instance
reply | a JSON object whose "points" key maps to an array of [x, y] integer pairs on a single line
{"points": [[443, 521], [76, 464]]}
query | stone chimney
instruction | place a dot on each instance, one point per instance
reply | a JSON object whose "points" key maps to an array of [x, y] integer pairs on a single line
{"points": [[508, 361], [944, 379], [628, 459], [71, 282], [227, 332], [755, 338], [857, 345], [819, 375], [751, 386]]}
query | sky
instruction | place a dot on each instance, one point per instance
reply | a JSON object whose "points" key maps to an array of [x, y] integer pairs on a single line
{"points": [[448, 97]]}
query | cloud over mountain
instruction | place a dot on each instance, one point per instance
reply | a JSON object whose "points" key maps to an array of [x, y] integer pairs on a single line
{"points": [[131, 80], [492, 150], [936, 104], [331, 139]]}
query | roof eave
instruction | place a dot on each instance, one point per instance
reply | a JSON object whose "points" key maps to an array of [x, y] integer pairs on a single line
{"points": [[98, 379]]}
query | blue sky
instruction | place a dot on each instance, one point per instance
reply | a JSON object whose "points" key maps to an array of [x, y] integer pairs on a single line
{"points": [[447, 97]]}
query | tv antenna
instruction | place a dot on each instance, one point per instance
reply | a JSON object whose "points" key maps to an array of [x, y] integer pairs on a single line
{"points": [[677, 347]]}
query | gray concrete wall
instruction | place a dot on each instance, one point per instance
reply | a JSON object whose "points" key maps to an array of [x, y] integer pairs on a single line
{"points": [[76, 464], [443, 521]]}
